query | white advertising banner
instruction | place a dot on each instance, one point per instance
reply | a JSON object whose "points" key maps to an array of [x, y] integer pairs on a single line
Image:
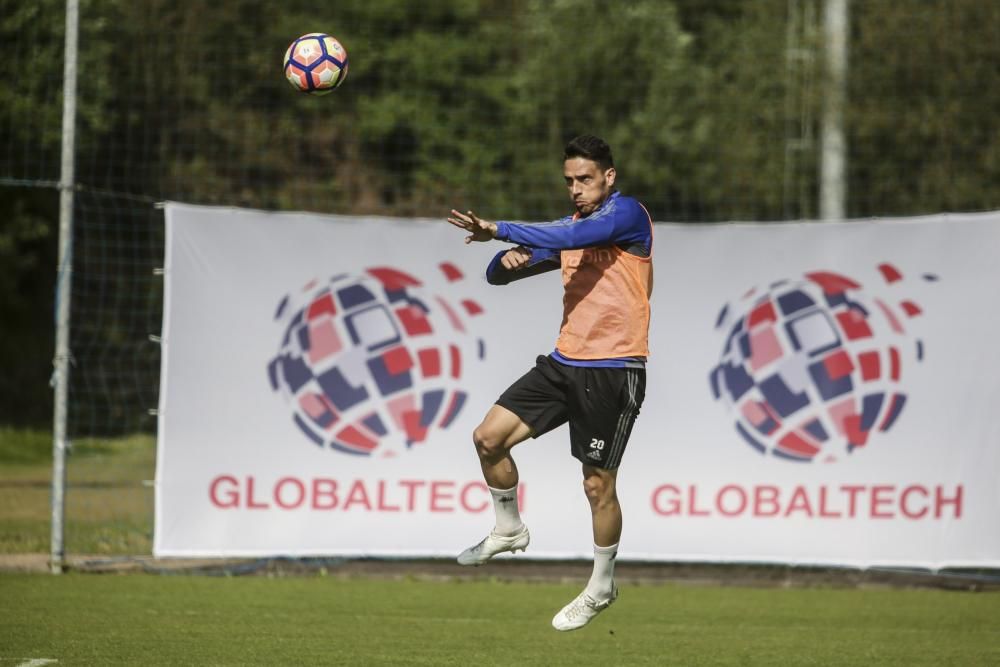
{"points": [[817, 393]]}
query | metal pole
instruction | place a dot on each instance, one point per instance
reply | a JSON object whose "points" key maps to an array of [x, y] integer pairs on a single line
{"points": [[64, 285], [833, 156]]}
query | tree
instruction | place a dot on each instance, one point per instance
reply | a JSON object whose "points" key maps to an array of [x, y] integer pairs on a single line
{"points": [[924, 135]]}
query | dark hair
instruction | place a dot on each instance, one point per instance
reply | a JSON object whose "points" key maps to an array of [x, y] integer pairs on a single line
{"points": [[590, 147]]}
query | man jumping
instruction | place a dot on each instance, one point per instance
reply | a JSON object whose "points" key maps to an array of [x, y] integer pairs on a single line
{"points": [[595, 379]]}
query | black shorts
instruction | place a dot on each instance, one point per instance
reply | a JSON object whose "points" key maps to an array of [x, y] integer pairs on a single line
{"points": [[600, 404]]}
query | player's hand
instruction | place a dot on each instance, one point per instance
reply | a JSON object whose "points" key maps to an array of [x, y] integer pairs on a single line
{"points": [[479, 229], [516, 258]]}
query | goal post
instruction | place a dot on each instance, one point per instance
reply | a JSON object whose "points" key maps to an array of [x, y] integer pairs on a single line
{"points": [[64, 290]]}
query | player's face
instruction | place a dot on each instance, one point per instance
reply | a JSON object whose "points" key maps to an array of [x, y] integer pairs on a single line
{"points": [[588, 185]]}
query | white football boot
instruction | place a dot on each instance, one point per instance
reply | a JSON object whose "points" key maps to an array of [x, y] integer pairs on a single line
{"points": [[494, 544], [581, 611]]}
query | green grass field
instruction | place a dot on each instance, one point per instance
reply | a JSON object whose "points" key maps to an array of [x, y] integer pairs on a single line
{"points": [[144, 619], [108, 509], [162, 620]]}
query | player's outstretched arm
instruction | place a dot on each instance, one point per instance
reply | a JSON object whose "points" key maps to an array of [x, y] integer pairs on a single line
{"points": [[621, 221], [508, 265], [479, 229]]}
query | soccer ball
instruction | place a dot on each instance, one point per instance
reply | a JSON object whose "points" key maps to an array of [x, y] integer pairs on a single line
{"points": [[315, 63]]}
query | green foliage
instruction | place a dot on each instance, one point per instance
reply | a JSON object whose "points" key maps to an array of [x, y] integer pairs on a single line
{"points": [[624, 82], [470, 101], [463, 103], [31, 37], [731, 155], [924, 92], [27, 281]]}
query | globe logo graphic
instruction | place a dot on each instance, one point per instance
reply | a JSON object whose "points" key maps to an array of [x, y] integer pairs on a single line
{"points": [[813, 368], [372, 364]]}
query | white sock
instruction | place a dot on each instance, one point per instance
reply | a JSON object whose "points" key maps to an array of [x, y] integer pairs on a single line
{"points": [[505, 506], [602, 581]]}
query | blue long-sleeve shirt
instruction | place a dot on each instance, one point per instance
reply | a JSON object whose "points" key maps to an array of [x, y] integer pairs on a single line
{"points": [[620, 221]]}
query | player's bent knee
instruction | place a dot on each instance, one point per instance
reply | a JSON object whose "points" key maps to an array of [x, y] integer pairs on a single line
{"points": [[488, 445], [600, 491], [594, 487]]}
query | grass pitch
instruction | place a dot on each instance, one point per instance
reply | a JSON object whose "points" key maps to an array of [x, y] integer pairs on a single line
{"points": [[172, 620], [109, 503], [136, 619]]}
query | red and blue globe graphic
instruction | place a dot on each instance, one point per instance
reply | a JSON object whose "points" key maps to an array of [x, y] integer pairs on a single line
{"points": [[812, 368], [372, 364]]}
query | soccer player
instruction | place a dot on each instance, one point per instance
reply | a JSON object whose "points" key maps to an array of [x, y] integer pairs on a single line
{"points": [[595, 379]]}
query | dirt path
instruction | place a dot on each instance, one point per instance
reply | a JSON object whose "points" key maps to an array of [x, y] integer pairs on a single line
{"points": [[698, 574]]}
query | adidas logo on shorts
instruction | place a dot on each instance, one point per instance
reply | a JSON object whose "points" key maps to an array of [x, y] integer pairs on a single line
{"points": [[596, 455]]}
